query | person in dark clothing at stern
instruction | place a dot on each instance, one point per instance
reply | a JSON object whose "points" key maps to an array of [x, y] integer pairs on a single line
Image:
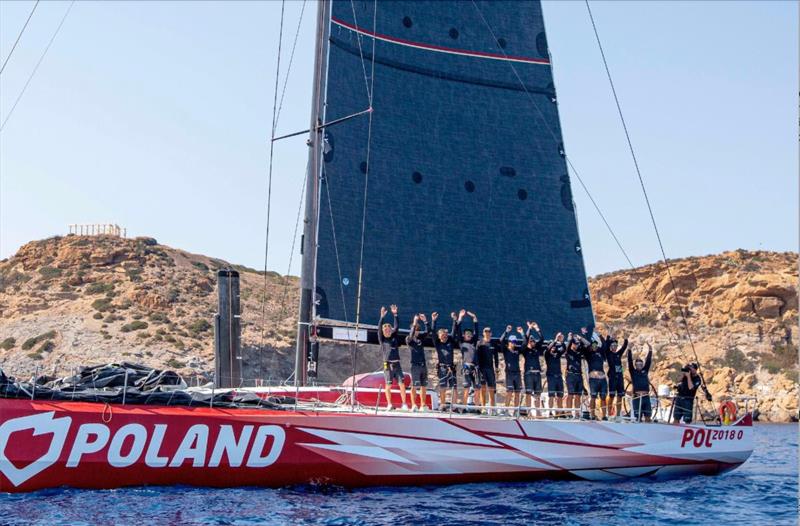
{"points": [[687, 390]]}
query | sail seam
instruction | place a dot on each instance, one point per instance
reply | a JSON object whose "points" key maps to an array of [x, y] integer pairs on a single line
{"points": [[439, 49]]}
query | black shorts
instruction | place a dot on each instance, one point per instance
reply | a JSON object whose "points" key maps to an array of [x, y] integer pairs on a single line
{"points": [[598, 386], [641, 404], [447, 375], [470, 376], [555, 385], [574, 383], [513, 381], [684, 408], [533, 382], [392, 371], [419, 375], [488, 377], [616, 384]]}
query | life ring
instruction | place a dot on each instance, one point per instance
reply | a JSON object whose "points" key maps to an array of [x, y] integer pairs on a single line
{"points": [[727, 411]]}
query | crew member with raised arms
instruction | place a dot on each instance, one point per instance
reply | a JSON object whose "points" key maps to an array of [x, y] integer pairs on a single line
{"points": [[532, 353], [616, 380], [575, 387], [508, 344], [419, 366], [445, 343], [390, 351], [488, 363], [469, 359], [555, 373], [640, 378], [595, 357]]}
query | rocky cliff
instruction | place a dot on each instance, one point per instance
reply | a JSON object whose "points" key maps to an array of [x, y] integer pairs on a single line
{"points": [[75, 300], [740, 316]]}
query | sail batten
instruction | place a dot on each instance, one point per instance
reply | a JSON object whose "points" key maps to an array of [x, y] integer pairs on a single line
{"points": [[469, 201]]}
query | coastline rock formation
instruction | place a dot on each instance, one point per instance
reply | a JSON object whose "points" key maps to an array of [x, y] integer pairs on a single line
{"points": [[78, 300]]}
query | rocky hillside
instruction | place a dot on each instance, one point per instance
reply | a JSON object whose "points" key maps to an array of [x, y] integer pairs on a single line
{"points": [[741, 314], [75, 300]]}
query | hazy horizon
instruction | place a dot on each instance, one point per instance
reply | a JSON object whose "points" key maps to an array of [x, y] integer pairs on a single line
{"points": [[156, 116]]}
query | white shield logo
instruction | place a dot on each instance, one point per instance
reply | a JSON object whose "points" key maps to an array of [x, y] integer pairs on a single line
{"points": [[41, 424]]}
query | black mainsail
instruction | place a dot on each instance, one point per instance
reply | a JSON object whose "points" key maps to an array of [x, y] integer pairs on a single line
{"points": [[468, 203]]}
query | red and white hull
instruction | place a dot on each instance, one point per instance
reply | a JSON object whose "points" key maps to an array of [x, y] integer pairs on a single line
{"points": [[89, 445]]}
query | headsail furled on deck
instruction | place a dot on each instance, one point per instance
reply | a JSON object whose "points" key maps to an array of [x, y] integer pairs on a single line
{"points": [[469, 201]]}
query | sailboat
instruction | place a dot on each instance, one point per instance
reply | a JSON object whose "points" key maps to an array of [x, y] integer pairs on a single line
{"points": [[437, 179]]}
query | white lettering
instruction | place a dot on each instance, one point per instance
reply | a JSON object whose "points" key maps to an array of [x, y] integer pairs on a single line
{"points": [[256, 460], [193, 446], [226, 443], [151, 458], [115, 456], [83, 445]]}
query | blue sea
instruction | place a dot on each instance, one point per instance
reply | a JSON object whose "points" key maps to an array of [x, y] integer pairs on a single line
{"points": [[762, 491]]}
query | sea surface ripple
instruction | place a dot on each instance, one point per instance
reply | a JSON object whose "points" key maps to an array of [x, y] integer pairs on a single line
{"points": [[762, 491]]}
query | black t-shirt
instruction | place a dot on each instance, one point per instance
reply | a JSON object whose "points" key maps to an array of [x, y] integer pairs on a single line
{"points": [[417, 350], [640, 379], [511, 359], [468, 353], [574, 357], [531, 357], [614, 358], [444, 349], [534, 353], [552, 358], [487, 354], [390, 347], [683, 387], [596, 360]]}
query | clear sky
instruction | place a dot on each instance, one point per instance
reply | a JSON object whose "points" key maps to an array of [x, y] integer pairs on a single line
{"points": [[156, 116]]}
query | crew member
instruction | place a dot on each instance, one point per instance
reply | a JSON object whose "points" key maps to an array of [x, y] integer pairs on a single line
{"points": [[444, 343], [388, 340], [555, 374], [575, 388], [508, 343], [616, 380], [598, 383], [532, 353], [469, 358], [640, 379], [687, 390], [419, 366], [488, 363]]}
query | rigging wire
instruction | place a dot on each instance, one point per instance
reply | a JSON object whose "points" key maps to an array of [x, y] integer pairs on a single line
{"points": [[370, 93], [38, 63], [294, 242], [291, 60], [644, 190], [336, 248], [574, 170], [361, 51], [21, 31], [269, 180]]}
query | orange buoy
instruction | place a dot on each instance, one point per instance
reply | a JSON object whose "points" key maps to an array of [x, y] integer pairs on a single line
{"points": [[727, 411]]}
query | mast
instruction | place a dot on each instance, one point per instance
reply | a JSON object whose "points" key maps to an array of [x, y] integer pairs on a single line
{"points": [[308, 245]]}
